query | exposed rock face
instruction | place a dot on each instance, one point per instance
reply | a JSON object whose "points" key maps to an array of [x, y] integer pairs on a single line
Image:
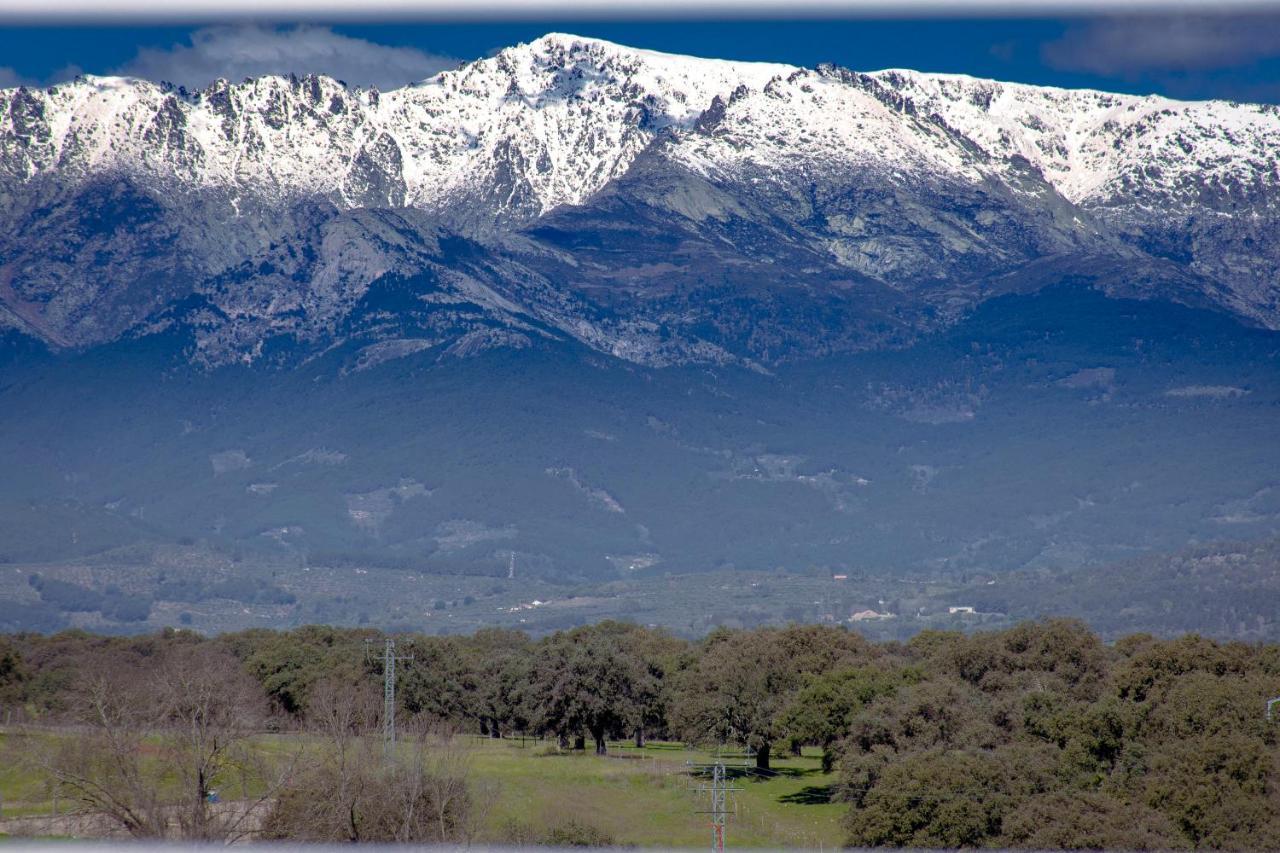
{"points": [[661, 209]]}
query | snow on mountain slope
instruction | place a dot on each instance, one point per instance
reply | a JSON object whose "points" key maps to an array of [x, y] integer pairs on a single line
{"points": [[546, 123], [123, 196], [1096, 147], [816, 124], [552, 121], [1195, 182]]}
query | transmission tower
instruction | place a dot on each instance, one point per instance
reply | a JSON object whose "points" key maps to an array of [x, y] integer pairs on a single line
{"points": [[717, 793], [389, 658]]}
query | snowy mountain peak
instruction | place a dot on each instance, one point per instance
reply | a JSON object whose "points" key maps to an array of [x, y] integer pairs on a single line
{"points": [[550, 122], [562, 49], [927, 186]]}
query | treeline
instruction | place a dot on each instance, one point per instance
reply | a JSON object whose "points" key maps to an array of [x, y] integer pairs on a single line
{"points": [[1039, 736]]}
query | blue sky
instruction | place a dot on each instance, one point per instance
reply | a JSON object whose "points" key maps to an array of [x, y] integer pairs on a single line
{"points": [[1189, 56]]}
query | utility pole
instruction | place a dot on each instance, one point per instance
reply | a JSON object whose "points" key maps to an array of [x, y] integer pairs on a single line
{"points": [[718, 794], [719, 815], [389, 659]]}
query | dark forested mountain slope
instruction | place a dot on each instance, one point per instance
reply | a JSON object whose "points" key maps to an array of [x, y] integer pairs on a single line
{"points": [[1057, 428]]}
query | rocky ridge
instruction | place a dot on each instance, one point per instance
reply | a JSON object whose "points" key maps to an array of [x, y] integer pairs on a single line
{"points": [[658, 208]]}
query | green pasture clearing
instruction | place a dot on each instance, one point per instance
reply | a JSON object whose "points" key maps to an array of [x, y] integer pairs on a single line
{"points": [[23, 792], [526, 787], [645, 797]]}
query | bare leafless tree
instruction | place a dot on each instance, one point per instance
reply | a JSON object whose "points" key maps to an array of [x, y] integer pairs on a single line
{"points": [[163, 748], [207, 710], [460, 802], [352, 791], [102, 765]]}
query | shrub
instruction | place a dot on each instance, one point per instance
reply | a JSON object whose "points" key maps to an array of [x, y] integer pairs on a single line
{"points": [[354, 797]]}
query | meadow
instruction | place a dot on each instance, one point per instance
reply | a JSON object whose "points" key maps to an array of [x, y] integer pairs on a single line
{"points": [[527, 788], [648, 797]]}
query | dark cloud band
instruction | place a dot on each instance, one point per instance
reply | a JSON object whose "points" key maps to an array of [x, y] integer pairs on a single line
{"points": [[80, 11]]}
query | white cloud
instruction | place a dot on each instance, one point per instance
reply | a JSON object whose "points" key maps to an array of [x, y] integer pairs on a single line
{"points": [[10, 78], [1136, 45], [252, 50]]}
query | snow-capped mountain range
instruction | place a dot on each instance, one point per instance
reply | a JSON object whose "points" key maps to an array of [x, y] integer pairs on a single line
{"points": [[660, 208]]}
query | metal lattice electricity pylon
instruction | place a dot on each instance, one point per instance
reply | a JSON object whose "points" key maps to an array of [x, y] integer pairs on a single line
{"points": [[717, 793], [389, 659]]}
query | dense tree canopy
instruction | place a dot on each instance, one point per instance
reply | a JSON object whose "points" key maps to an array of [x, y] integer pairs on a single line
{"points": [[739, 685], [1037, 736]]}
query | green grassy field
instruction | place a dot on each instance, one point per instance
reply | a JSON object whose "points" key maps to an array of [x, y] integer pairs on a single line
{"points": [[22, 792], [645, 797]]}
